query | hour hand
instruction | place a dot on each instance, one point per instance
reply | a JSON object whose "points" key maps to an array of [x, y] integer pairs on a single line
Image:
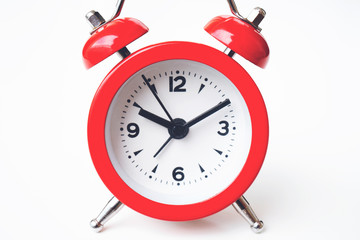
{"points": [[154, 118]]}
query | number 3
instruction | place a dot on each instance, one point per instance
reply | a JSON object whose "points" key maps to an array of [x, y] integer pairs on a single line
{"points": [[225, 128]]}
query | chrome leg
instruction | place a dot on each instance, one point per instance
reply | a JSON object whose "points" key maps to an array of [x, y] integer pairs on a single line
{"points": [[110, 210], [244, 209]]}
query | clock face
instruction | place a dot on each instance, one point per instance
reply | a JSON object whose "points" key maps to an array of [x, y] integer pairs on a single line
{"points": [[178, 131], [187, 151]]}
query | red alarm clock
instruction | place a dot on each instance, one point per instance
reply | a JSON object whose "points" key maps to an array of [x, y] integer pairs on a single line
{"points": [[177, 130]]}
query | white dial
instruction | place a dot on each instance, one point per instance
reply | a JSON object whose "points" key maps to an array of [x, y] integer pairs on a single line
{"points": [[178, 132]]}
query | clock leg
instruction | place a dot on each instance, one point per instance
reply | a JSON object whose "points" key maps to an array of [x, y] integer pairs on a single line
{"points": [[110, 210], [244, 209]]}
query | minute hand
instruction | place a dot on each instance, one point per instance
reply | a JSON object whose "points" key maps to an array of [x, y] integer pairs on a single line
{"points": [[208, 113]]}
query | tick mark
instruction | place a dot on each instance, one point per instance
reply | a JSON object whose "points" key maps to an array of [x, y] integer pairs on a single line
{"points": [[135, 104], [218, 151], [137, 152], [155, 168], [154, 88], [201, 168], [201, 88]]}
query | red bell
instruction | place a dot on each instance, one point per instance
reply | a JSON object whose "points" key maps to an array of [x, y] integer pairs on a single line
{"points": [[242, 36], [111, 37]]}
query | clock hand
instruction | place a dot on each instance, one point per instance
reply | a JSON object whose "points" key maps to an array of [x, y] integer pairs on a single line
{"points": [[162, 147], [208, 113], [152, 117], [157, 97]]}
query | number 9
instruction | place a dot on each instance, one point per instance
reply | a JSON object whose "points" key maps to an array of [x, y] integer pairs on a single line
{"points": [[133, 130]]}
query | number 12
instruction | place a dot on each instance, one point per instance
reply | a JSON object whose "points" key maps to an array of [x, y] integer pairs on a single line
{"points": [[180, 87]]}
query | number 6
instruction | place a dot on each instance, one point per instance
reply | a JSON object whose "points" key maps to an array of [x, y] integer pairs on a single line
{"points": [[177, 174]]}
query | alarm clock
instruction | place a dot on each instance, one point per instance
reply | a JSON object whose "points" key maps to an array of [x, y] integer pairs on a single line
{"points": [[177, 130]]}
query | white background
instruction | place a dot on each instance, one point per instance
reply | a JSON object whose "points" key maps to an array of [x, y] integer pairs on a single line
{"points": [[309, 184]]}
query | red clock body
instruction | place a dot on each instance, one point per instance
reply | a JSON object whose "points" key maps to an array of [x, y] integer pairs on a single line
{"points": [[148, 161]]}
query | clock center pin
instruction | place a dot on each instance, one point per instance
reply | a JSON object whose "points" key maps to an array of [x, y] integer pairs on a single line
{"points": [[179, 130]]}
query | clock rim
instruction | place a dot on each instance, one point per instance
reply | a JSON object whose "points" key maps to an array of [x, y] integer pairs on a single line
{"points": [[168, 51]]}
